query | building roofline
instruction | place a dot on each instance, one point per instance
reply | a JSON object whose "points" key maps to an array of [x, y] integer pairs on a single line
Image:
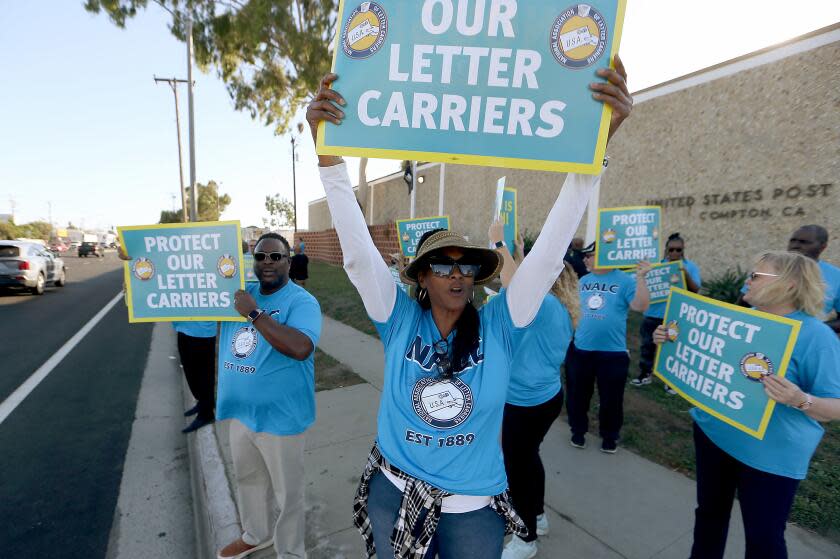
{"points": [[797, 45]]}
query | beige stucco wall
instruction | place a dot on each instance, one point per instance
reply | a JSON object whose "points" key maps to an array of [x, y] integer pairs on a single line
{"points": [[768, 137]]}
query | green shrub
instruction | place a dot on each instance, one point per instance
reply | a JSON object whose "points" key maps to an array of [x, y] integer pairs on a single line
{"points": [[725, 287]]}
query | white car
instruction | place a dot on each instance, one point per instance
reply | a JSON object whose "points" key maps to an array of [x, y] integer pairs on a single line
{"points": [[30, 266]]}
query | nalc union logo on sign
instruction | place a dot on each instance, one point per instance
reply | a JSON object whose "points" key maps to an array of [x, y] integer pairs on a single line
{"points": [[442, 404], [578, 37], [756, 366], [143, 269], [226, 266], [365, 32]]}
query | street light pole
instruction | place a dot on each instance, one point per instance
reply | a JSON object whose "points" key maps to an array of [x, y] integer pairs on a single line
{"points": [[193, 187], [294, 173], [173, 83]]}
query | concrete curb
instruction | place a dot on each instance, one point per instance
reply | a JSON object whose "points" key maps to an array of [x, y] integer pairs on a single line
{"points": [[216, 517]]}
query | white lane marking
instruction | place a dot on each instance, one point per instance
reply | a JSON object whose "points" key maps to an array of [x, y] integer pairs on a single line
{"points": [[19, 395]]}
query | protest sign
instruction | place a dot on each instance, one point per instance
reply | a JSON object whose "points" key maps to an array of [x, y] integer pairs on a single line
{"points": [[409, 231], [503, 83], [627, 235], [182, 271], [718, 353], [508, 217], [661, 277], [500, 194], [248, 268]]}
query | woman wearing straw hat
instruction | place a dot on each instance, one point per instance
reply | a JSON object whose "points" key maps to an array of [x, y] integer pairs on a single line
{"points": [[435, 481], [765, 473]]}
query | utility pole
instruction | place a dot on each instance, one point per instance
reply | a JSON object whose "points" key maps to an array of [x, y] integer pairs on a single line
{"points": [[173, 83], [294, 172], [193, 187]]}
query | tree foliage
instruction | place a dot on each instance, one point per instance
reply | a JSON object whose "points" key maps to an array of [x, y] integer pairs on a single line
{"points": [[8, 231], [271, 54], [281, 212], [210, 205]]}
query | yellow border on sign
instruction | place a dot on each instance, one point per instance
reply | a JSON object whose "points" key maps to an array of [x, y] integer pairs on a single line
{"points": [[782, 369], [398, 221], [127, 271], [624, 208], [592, 168]]}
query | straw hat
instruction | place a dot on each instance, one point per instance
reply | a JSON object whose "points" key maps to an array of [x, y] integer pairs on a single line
{"points": [[491, 263]]}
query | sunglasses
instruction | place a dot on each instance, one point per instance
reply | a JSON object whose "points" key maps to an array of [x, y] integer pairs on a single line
{"points": [[275, 256], [443, 267], [675, 249], [754, 275]]}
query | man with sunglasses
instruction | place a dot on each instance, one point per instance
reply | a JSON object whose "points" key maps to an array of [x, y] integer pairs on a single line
{"points": [[674, 250], [811, 241], [267, 390]]}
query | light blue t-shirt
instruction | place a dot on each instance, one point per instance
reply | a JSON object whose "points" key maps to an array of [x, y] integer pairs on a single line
{"points": [[791, 437], [831, 277], [604, 304], [196, 329], [264, 389], [446, 433], [535, 374], [657, 310]]}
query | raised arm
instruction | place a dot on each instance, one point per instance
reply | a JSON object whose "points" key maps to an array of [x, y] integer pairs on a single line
{"points": [[362, 261], [544, 263]]}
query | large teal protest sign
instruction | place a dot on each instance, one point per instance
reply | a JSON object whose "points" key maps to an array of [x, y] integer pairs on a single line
{"points": [[409, 231], [718, 353], [627, 235], [182, 271], [484, 82], [662, 277]]}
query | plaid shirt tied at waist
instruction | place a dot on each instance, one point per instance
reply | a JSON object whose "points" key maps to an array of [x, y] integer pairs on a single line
{"points": [[419, 511]]}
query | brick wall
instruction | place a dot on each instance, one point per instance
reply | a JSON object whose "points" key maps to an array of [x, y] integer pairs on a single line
{"points": [[324, 246]]}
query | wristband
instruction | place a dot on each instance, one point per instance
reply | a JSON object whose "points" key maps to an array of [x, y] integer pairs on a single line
{"points": [[809, 401], [499, 244]]}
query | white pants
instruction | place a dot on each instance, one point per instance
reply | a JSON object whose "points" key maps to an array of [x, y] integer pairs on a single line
{"points": [[269, 485]]}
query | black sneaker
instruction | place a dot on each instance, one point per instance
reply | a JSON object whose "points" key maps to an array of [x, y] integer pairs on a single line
{"points": [[609, 447], [192, 411], [578, 441], [641, 380]]}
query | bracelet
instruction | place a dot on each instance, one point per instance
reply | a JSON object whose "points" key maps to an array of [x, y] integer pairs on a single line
{"points": [[809, 401]]}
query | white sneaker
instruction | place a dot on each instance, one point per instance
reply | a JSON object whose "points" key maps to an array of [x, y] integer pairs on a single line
{"points": [[542, 525], [519, 549]]}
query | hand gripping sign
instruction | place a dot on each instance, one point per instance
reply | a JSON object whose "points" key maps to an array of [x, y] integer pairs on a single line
{"points": [[183, 271], [717, 355], [482, 82]]}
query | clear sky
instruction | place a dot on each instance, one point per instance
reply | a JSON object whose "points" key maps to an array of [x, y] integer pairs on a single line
{"points": [[84, 127]]}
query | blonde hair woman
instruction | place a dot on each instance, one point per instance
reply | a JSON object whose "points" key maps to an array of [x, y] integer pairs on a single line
{"points": [[765, 473], [534, 396]]}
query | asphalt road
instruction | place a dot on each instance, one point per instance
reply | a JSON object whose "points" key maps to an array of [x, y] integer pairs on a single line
{"points": [[62, 449]]}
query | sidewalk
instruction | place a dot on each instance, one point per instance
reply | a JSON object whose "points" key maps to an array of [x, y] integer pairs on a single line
{"points": [[599, 506]]}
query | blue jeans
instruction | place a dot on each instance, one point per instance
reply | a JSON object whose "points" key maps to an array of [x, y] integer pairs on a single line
{"points": [[471, 535]]}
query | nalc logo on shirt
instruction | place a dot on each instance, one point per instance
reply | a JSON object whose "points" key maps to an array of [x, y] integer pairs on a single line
{"points": [[226, 266], [143, 269], [244, 342], [365, 32], [756, 366], [443, 404], [578, 37], [595, 302]]}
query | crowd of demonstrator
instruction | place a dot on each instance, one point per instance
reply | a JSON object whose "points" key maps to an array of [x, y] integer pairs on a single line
{"points": [[470, 393]]}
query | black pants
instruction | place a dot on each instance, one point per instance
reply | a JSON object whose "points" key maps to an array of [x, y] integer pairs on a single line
{"points": [[198, 356], [583, 370], [523, 430], [765, 501], [647, 352]]}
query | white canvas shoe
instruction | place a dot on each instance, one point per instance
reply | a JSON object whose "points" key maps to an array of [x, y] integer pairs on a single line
{"points": [[519, 549], [542, 525]]}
